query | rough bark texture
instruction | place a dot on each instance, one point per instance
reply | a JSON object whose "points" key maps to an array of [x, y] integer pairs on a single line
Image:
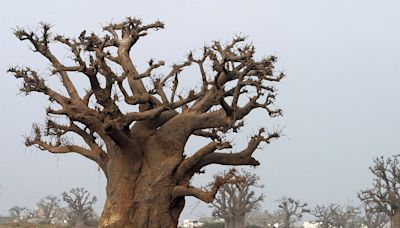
{"points": [[141, 149], [235, 222], [395, 220], [142, 199]]}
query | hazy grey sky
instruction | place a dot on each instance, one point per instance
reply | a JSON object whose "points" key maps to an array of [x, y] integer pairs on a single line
{"points": [[341, 98]]}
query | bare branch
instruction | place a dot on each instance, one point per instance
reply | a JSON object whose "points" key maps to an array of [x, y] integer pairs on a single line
{"points": [[206, 196], [243, 157], [191, 161], [62, 147], [32, 82], [40, 43], [384, 195]]}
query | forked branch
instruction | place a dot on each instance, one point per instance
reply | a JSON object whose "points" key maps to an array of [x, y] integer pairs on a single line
{"points": [[205, 196]]}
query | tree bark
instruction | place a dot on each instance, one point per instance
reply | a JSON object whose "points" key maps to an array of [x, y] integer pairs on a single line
{"points": [[139, 194], [228, 222], [140, 151], [395, 220], [79, 222], [286, 221], [236, 221]]}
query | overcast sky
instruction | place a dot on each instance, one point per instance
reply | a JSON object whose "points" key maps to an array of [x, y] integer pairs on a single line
{"points": [[341, 99]]}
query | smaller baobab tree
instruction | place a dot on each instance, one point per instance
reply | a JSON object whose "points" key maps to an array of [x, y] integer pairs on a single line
{"points": [[347, 216], [292, 210], [47, 209], [19, 214], [335, 215], [264, 219], [384, 195], [325, 215], [257, 218], [373, 219], [80, 206], [234, 200]]}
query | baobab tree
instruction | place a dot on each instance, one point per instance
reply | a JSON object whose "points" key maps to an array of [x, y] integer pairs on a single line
{"points": [[373, 219], [19, 214], [47, 209], [265, 219], [141, 148], [292, 210], [335, 215], [384, 196], [234, 200], [325, 215], [80, 206], [346, 216]]}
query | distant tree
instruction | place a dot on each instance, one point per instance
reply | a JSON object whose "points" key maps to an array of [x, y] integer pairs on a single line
{"points": [[265, 219], [256, 217], [19, 213], [234, 200], [336, 216], [47, 209], [80, 206], [347, 216], [325, 215], [374, 219], [292, 211], [135, 122], [384, 196]]}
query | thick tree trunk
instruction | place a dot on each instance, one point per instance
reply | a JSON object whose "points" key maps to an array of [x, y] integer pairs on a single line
{"points": [[395, 220], [286, 221], [234, 222], [139, 194], [239, 222], [79, 222], [227, 222]]}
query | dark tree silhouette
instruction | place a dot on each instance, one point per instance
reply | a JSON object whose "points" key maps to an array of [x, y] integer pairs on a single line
{"points": [[47, 209], [80, 206], [292, 210], [234, 200], [141, 148], [384, 196]]}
